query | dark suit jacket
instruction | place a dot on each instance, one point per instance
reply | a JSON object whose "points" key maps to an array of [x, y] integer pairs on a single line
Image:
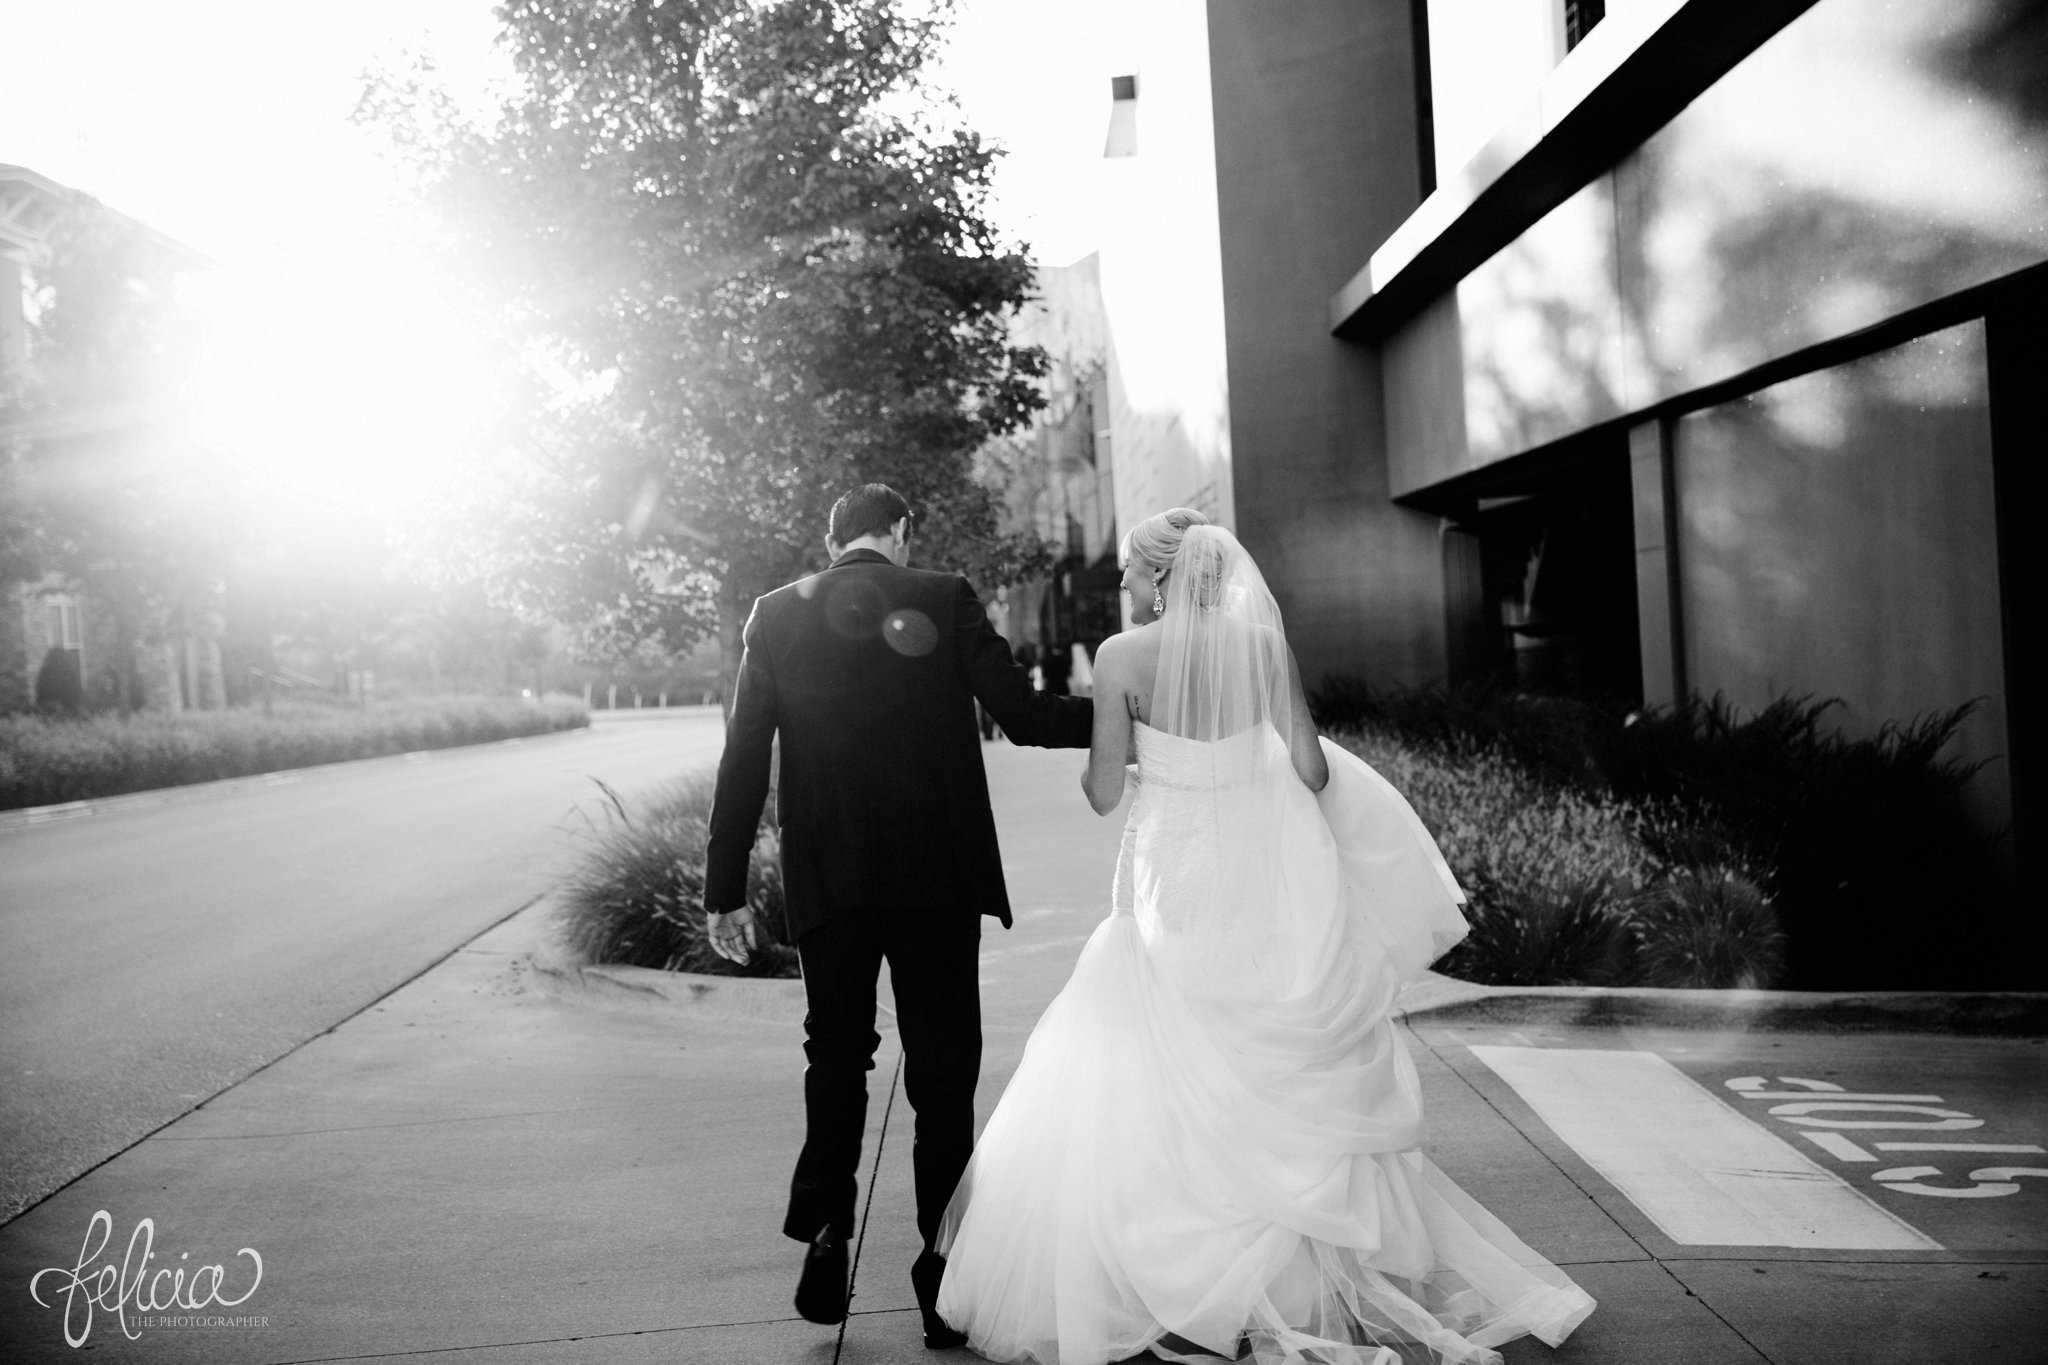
{"points": [[870, 673]]}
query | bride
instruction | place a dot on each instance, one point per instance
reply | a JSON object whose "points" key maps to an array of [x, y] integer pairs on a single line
{"points": [[1211, 1146]]}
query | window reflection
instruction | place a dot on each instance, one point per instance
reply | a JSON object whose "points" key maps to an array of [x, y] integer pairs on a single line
{"points": [[1873, 156], [1869, 158], [1837, 537]]}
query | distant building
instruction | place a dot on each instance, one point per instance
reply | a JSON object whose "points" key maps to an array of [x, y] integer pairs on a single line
{"points": [[1060, 474], [58, 645], [1095, 461], [1160, 271], [1138, 416], [1657, 348]]}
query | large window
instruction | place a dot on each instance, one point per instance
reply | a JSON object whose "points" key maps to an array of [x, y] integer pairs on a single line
{"points": [[1837, 537], [63, 622], [1579, 18]]}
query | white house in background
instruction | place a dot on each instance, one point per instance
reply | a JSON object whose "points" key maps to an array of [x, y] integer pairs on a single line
{"points": [[53, 641]]}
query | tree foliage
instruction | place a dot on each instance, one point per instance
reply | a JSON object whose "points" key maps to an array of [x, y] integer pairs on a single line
{"points": [[777, 276]]}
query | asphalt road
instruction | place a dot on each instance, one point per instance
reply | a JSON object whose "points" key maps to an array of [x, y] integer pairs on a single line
{"points": [[157, 951]]}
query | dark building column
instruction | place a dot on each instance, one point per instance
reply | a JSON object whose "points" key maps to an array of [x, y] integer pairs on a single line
{"points": [[1316, 164], [1657, 596], [2018, 358]]}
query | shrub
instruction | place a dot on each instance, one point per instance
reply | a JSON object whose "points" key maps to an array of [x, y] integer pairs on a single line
{"points": [[1872, 860], [45, 760], [1489, 814], [1704, 927], [636, 898], [1575, 936], [1858, 846], [1550, 871], [1556, 740]]}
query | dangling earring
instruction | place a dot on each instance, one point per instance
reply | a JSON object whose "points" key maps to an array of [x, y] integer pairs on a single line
{"points": [[1158, 602]]}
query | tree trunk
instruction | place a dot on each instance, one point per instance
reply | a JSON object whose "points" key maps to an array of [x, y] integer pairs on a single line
{"points": [[124, 661], [210, 673]]}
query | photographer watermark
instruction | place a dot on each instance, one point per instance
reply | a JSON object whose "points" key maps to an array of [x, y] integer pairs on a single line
{"points": [[177, 1295]]}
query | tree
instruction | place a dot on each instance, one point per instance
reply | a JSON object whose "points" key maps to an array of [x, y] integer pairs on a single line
{"points": [[779, 284]]}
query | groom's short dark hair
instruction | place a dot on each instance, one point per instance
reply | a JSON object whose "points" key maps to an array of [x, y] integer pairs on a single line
{"points": [[869, 510]]}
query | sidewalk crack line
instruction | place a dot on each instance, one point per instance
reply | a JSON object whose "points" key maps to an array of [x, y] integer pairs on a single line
{"points": [[874, 1174]]}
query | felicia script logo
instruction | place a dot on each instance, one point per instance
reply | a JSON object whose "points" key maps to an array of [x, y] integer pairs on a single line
{"points": [[175, 1295]]}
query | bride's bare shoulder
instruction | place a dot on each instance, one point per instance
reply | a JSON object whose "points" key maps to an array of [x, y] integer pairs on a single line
{"points": [[1131, 651], [1138, 645]]}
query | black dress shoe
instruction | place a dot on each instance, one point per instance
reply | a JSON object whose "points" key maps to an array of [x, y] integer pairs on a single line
{"points": [[821, 1290], [925, 1274]]}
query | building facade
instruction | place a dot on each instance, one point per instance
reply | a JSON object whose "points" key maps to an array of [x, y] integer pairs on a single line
{"points": [[1648, 350], [74, 437], [1059, 474]]}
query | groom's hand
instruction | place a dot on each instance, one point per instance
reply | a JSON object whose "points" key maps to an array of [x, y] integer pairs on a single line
{"points": [[731, 935]]}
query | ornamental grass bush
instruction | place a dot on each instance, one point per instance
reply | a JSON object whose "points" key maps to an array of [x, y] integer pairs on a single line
{"points": [[1709, 927], [1763, 850], [1561, 918], [636, 896], [46, 760]]}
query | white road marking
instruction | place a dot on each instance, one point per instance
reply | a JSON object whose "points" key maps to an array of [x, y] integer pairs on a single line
{"points": [[1837, 1146], [1993, 1182], [2017, 1148], [1705, 1174], [1752, 1083], [1836, 1097], [1804, 1112]]}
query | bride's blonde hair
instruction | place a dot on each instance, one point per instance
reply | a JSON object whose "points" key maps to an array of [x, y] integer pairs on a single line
{"points": [[1161, 541], [1156, 539]]}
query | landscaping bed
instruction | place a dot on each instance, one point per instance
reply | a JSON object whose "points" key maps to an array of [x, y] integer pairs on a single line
{"points": [[636, 898], [48, 760], [1692, 846], [1687, 848]]}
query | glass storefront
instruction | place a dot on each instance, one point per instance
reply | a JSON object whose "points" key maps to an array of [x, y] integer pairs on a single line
{"points": [[1837, 537], [1873, 156]]}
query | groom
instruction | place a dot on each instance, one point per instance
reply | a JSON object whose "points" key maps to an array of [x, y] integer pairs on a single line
{"points": [[869, 672]]}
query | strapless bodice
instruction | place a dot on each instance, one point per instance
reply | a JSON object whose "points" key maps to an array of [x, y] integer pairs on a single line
{"points": [[1179, 764]]}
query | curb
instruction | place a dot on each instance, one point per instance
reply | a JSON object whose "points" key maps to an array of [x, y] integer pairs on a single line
{"points": [[1438, 999], [539, 945], [622, 714], [768, 999]]}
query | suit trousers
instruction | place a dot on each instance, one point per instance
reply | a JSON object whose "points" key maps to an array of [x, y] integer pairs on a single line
{"points": [[934, 969]]}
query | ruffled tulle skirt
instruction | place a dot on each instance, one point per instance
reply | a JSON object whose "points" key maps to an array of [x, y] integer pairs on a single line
{"points": [[1208, 1153]]}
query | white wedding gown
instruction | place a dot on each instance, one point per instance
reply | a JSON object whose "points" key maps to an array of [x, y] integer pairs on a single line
{"points": [[1211, 1143]]}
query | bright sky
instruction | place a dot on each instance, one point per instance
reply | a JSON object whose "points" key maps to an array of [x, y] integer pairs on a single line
{"points": [[334, 373]]}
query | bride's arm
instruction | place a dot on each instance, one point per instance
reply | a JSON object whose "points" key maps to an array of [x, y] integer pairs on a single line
{"points": [[1303, 745], [1110, 748]]}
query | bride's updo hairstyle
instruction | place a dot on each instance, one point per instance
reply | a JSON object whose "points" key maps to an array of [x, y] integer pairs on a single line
{"points": [[1163, 542], [1157, 539]]}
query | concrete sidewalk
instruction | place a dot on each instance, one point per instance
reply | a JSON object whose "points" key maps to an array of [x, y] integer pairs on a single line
{"points": [[509, 1161]]}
